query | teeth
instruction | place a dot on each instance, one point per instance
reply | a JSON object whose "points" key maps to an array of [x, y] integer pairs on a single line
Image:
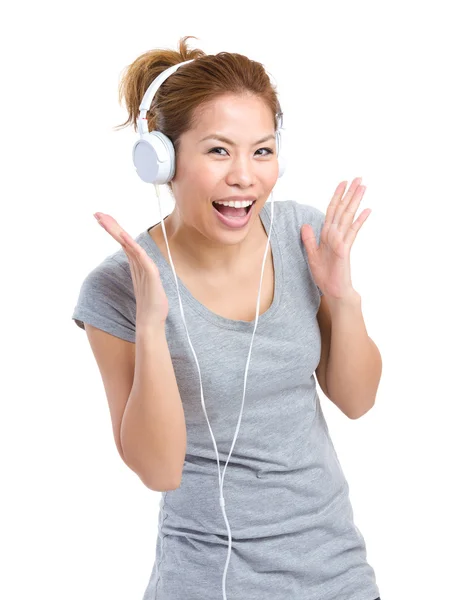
{"points": [[236, 204]]}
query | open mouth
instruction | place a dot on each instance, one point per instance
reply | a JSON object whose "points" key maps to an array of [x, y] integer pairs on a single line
{"points": [[220, 208]]}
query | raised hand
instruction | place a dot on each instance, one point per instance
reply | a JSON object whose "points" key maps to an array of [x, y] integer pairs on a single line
{"points": [[151, 299], [330, 260]]}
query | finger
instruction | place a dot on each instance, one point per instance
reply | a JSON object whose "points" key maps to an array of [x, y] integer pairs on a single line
{"points": [[343, 201], [330, 211], [127, 239], [134, 251], [349, 213], [131, 244], [110, 225], [309, 239], [355, 227]]}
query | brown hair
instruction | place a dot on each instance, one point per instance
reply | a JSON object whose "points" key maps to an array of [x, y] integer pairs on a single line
{"points": [[206, 78]]}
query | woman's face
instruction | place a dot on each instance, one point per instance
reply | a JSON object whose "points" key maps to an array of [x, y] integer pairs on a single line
{"points": [[213, 169]]}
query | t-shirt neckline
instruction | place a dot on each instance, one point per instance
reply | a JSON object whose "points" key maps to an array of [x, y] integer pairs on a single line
{"points": [[201, 309]]}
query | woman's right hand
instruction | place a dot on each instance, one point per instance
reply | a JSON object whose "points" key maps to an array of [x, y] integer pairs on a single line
{"points": [[151, 299]]}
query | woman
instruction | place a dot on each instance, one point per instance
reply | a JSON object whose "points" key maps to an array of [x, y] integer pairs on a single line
{"points": [[286, 495]]}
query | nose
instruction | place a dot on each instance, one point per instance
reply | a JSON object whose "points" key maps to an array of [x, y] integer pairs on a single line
{"points": [[241, 171]]}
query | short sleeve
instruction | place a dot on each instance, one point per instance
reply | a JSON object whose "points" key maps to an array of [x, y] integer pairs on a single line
{"points": [[314, 217], [107, 300]]}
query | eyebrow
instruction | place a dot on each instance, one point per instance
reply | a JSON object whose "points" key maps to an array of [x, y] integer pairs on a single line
{"points": [[216, 136]]}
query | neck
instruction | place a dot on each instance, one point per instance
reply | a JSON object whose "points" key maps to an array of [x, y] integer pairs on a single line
{"points": [[203, 254]]}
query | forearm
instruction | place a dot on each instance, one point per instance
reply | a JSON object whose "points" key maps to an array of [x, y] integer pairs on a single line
{"points": [[153, 430], [354, 363]]}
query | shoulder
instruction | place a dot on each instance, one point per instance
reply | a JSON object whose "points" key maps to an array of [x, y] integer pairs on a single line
{"points": [[298, 213], [106, 299], [108, 284], [307, 213], [290, 215], [111, 275]]}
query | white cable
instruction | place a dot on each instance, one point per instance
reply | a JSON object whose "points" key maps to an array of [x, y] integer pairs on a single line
{"points": [[221, 478]]}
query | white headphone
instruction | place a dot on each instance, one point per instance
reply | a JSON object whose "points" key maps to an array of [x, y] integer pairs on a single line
{"points": [[154, 155], [154, 159]]}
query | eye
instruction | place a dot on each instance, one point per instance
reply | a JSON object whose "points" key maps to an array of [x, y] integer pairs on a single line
{"points": [[269, 150], [212, 150]]}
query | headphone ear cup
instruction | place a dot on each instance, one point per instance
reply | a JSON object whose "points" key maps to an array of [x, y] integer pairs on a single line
{"points": [[280, 154], [153, 156]]}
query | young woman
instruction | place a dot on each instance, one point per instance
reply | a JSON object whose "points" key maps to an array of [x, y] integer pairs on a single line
{"points": [[286, 496]]}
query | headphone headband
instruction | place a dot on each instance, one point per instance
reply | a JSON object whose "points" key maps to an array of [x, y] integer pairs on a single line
{"points": [[150, 93]]}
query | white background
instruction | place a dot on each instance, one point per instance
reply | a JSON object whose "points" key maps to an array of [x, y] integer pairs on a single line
{"points": [[368, 89]]}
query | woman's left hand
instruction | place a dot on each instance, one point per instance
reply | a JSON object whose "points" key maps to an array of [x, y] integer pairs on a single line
{"points": [[330, 260]]}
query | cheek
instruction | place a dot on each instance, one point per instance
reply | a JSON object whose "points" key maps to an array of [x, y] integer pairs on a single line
{"points": [[272, 176], [200, 172], [205, 179]]}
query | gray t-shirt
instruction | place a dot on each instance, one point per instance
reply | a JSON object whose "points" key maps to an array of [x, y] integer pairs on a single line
{"points": [[286, 497]]}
